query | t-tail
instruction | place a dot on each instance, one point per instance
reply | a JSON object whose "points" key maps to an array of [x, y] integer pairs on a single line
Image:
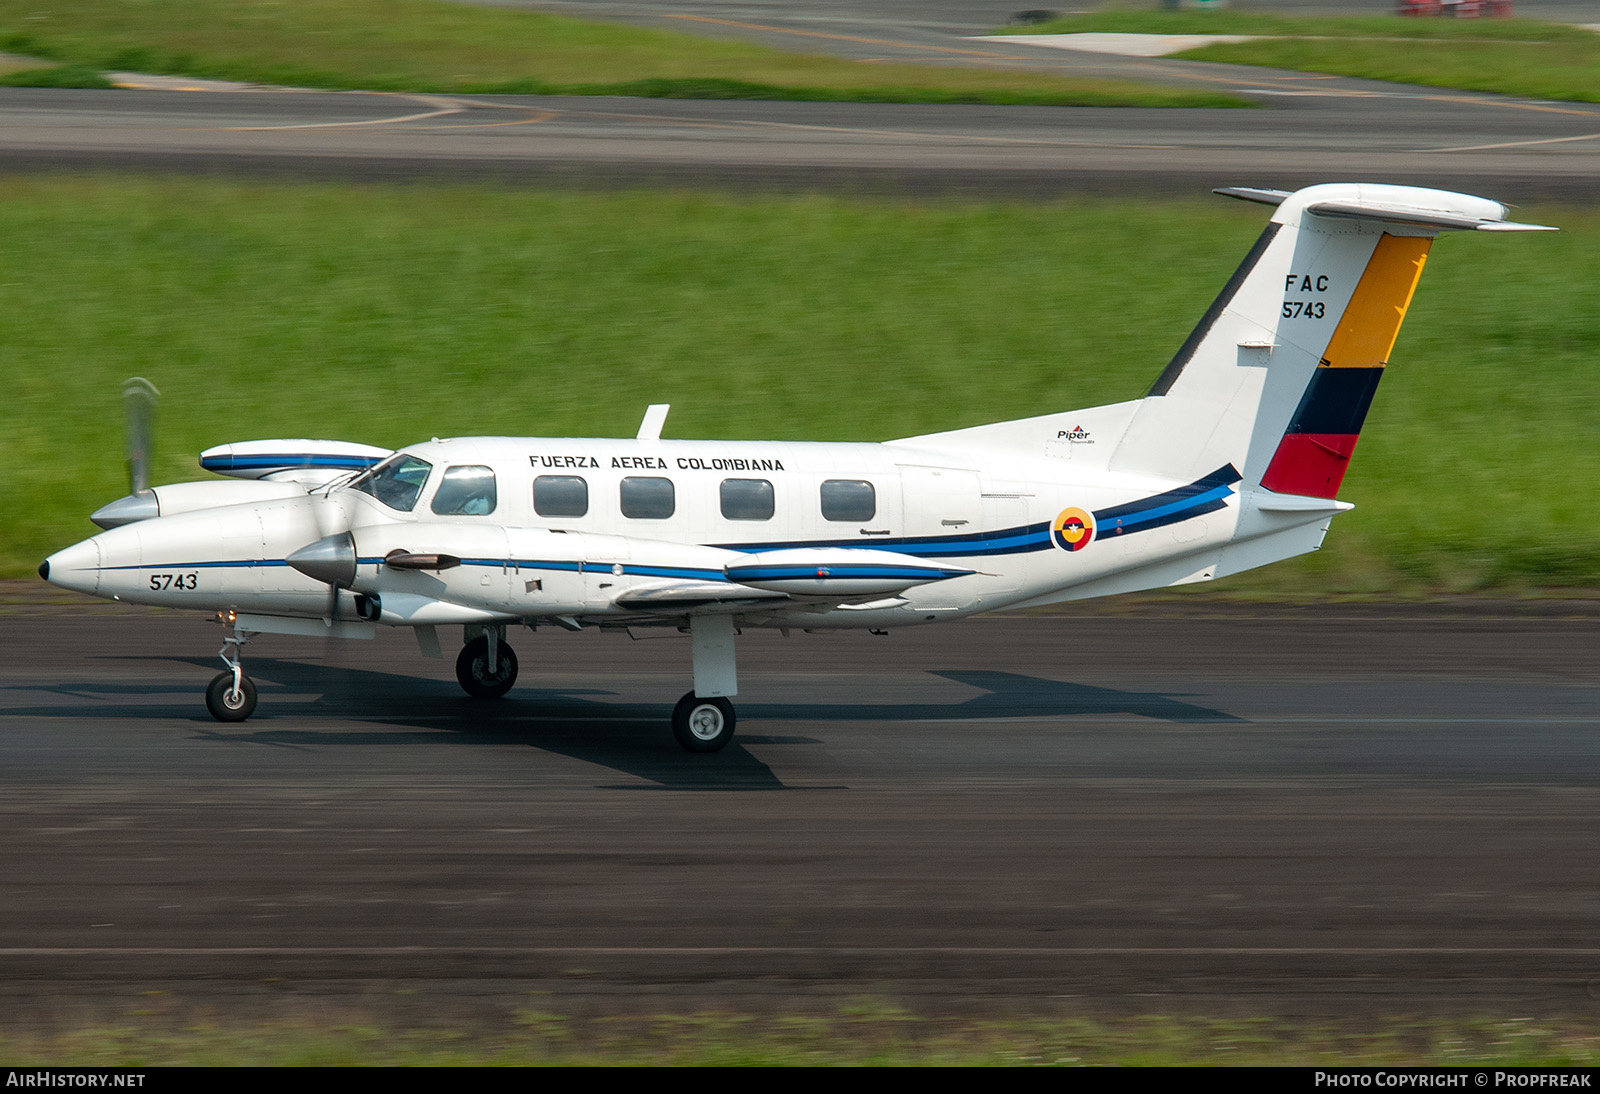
{"points": [[1275, 382]]}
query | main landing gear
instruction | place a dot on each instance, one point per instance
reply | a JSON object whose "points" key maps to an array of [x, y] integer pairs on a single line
{"points": [[702, 721], [703, 725], [231, 695]]}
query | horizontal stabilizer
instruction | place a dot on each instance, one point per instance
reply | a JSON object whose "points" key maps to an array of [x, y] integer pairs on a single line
{"points": [[1253, 193], [1297, 503], [1389, 212], [1418, 217]]}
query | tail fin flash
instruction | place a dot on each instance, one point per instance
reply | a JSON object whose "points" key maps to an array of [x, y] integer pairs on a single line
{"points": [[1277, 377], [1321, 437]]}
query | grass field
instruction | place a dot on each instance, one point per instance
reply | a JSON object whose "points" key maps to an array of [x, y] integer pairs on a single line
{"points": [[865, 1035], [390, 314], [429, 45], [1525, 57]]}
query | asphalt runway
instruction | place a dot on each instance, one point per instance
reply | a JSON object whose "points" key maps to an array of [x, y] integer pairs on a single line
{"points": [[1177, 807], [1312, 128], [1511, 150]]}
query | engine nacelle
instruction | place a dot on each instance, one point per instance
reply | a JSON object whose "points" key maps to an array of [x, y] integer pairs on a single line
{"points": [[836, 571], [307, 461], [190, 497]]}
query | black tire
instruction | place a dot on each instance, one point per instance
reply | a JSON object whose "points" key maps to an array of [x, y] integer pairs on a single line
{"points": [[472, 670], [224, 705], [703, 725]]}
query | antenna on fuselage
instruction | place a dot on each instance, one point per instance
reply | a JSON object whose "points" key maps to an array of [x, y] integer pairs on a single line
{"points": [[139, 399], [655, 416]]}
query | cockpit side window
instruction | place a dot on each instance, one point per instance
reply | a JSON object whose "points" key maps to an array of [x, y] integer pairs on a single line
{"points": [[396, 482], [465, 491]]}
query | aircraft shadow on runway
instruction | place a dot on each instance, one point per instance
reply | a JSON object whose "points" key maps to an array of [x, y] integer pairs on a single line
{"points": [[582, 723]]}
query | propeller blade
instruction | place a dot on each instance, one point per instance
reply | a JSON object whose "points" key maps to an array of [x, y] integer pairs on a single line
{"points": [[139, 399]]}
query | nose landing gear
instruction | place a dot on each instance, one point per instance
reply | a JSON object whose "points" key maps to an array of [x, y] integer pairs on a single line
{"points": [[486, 668], [231, 695]]}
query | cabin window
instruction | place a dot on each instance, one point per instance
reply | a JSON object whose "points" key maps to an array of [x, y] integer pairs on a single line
{"points": [[396, 482], [848, 499], [560, 496], [646, 497], [465, 491], [747, 499]]}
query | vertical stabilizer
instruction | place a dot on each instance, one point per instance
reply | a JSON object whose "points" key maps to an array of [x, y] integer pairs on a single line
{"points": [[1277, 377]]}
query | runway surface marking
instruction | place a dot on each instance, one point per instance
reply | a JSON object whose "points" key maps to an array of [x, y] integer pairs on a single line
{"points": [[905, 134], [848, 38], [1126, 45], [442, 107], [1515, 144], [1470, 100]]}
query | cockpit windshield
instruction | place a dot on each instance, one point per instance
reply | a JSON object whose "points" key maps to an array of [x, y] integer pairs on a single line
{"points": [[396, 482]]}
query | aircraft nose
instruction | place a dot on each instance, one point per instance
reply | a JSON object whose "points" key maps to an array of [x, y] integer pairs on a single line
{"points": [[76, 567]]}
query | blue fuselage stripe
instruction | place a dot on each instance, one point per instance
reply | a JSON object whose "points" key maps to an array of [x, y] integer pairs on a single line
{"points": [[840, 573]]}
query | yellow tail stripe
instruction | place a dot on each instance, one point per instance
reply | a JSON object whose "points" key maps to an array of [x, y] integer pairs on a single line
{"points": [[1367, 331]]}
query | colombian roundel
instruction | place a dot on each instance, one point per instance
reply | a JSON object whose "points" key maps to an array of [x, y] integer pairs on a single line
{"points": [[1072, 529]]}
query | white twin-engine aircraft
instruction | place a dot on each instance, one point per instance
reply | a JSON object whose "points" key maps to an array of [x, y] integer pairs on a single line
{"points": [[1231, 461]]}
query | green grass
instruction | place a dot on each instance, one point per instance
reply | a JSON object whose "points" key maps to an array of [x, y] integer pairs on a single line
{"points": [[871, 1035], [56, 76], [429, 45], [389, 314], [1525, 57], [1556, 69]]}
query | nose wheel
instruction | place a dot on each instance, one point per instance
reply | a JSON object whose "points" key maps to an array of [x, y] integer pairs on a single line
{"points": [[486, 669], [229, 701], [231, 695]]}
